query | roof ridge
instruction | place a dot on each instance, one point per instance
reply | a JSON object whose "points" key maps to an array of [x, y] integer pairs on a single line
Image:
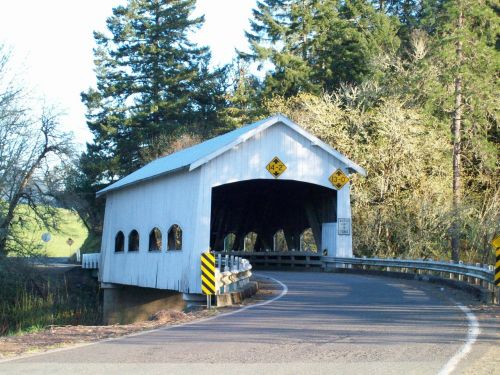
{"points": [[196, 155]]}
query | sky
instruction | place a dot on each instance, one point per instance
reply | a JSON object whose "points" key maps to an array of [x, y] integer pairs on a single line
{"points": [[52, 42]]}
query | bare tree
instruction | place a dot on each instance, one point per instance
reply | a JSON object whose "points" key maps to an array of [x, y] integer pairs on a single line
{"points": [[30, 145]]}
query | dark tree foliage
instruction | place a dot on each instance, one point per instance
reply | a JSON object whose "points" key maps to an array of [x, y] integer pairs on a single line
{"points": [[152, 83], [316, 45]]}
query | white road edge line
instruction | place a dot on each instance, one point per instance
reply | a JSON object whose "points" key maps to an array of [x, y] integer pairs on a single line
{"points": [[472, 333], [284, 291]]}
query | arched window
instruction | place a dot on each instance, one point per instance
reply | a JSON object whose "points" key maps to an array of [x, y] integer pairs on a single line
{"points": [[174, 238], [229, 242], [155, 240], [307, 242], [250, 240], [133, 241], [119, 242], [280, 241]]}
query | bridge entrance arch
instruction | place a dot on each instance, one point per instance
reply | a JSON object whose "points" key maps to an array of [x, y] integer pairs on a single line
{"points": [[263, 207]]}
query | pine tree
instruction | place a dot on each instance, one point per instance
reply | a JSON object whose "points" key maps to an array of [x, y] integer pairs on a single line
{"points": [[281, 34], [354, 37], [315, 45], [152, 83], [407, 12], [243, 106]]}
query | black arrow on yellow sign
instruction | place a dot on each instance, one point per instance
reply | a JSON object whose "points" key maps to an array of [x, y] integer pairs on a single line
{"points": [[496, 245], [208, 273]]}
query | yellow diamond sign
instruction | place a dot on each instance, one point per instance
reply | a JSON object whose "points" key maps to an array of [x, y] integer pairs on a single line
{"points": [[496, 242], [276, 167], [338, 179]]}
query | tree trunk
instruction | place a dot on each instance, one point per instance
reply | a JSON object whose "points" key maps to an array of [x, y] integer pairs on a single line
{"points": [[457, 139]]}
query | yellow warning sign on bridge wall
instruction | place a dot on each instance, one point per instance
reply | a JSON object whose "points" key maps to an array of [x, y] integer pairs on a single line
{"points": [[208, 273], [338, 179], [276, 167]]}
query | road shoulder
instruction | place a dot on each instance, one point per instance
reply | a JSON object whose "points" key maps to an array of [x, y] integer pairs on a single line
{"points": [[65, 337]]}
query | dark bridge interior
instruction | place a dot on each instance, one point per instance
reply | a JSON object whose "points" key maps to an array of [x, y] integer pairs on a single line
{"points": [[267, 206]]}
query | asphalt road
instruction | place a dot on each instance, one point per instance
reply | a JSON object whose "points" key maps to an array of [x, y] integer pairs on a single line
{"points": [[323, 324]]}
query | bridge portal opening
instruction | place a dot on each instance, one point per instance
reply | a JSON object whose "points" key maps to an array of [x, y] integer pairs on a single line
{"points": [[269, 215]]}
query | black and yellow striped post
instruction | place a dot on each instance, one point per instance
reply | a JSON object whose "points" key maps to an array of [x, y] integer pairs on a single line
{"points": [[208, 275], [496, 245]]}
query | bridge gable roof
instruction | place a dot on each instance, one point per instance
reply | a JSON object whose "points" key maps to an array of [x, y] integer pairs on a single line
{"points": [[195, 156]]}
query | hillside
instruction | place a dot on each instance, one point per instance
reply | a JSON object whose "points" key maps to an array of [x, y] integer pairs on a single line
{"points": [[70, 227]]}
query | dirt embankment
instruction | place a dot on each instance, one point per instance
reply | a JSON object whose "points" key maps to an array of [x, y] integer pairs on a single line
{"points": [[58, 336]]}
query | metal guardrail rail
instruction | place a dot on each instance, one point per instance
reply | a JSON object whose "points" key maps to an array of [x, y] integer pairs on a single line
{"points": [[484, 273], [232, 272], [475, 274]]}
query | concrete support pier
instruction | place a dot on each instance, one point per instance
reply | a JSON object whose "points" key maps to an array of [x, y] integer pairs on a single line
{"points": [[127, 304]]}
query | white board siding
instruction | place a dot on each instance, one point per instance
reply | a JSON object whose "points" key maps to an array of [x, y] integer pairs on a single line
{"points": [[344, 242], [328, 239], [304, 161], [158, 203]]}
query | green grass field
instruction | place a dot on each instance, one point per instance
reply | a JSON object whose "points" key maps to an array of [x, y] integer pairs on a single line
{"points": [[70, 227]]}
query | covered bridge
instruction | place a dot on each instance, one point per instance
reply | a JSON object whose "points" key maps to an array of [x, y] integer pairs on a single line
{"points": [[265, 177]]}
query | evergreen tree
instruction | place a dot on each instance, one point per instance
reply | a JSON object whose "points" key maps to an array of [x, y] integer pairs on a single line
{"points": [[281, 34], [406, 11], [243, 106], [152, 83], [316, 45], [355, 36]]}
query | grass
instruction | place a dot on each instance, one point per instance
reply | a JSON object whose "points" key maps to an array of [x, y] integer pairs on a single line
{"points": [[31, 312], [32, 298], [70, 227]]}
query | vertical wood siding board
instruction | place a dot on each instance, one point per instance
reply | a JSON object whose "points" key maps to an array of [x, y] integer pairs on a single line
{"points": [[194, 222], [161, 279], [105, 243], [344, 242]]}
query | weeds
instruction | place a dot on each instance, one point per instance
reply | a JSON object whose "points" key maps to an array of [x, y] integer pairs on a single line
{"points": [[31, 300]]}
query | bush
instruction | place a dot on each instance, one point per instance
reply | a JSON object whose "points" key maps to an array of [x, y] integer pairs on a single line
{"points": [[32, 298]]}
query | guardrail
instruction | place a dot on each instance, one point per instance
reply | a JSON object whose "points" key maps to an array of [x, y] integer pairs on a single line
{"points": [[474, 274], [91, 260], [232, 272]]}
